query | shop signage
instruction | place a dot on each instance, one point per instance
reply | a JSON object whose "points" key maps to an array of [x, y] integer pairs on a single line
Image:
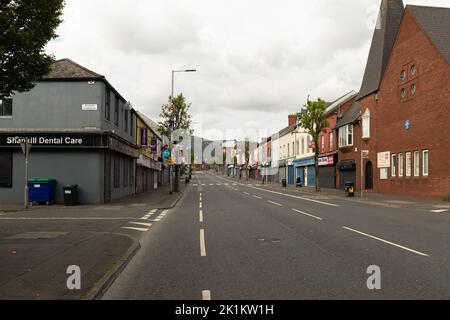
{"points": [[384, 159], [121, 147], [154, 143], [326, 161], [51, 140], [89, 107]]}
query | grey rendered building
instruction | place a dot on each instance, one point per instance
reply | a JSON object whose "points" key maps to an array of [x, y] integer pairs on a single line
{"points": [[81, 130]]}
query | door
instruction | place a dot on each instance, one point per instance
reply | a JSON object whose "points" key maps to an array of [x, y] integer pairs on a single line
{"points": [[301, 174], [369, 175], [107, 175], [311, 176], [327, 176]]}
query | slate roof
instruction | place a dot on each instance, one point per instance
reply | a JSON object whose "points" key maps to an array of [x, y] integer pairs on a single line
{"points": [[350, 116], [391, 13], [67, 69], [152, 124], [435, 22], [340, 101]]}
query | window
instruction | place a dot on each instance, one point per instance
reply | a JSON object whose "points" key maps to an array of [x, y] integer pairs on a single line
{"points": [[6, 169], [116, 111], [393, 165], [289, 150], [308, 142], [400, 164], [403, 74], [408, 164], [6, 107], [126, 120], [346, 136], [413, 89], [116, 171], [297, 147], [131, 123], [366, 124], [322, 143], [303, 145], [403, 93], [425, 163], [416, 163], [108, 104], [293, 150], [413, 69], [331, 141]]}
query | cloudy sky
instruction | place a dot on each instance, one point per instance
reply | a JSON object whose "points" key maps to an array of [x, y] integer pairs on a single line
{"points": [[257, 60]]}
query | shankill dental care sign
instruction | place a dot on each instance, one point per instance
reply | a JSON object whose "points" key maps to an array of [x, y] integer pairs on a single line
{"points": [[45, 141], [52, 140]]}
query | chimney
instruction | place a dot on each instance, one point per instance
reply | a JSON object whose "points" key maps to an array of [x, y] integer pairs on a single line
{"points": [[292, 119]]}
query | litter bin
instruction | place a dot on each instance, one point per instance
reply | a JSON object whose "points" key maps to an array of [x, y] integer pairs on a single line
{"points": [[349, 189], [70, 195], [284, 182], [298, 182], [41, 190]]}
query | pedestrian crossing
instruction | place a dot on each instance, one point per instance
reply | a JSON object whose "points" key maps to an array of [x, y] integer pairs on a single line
{"points": [[146, 222]]}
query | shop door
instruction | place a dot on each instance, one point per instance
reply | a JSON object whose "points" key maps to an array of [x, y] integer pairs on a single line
{"points": [[291, 175], [301, 174], [327, 177], [369, 175], [311, 176]]}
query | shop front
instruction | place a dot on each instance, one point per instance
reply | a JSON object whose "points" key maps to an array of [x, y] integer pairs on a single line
{"points": [[327, 170], [306, 170], [347, 172]]}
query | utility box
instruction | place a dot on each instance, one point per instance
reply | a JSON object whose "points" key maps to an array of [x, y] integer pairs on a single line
{"points": [[70, 195], [41, 190]]}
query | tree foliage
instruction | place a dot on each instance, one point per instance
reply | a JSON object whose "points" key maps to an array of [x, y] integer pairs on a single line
{"points": [[26, 26], [313, 120], [175, 116]]}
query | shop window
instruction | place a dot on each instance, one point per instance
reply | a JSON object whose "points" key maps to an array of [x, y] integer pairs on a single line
{"points": [[6, 169], [408, 164], [6, 107], [425, 163], [346, 136], [400, 164], [366, 124], [394, 165], [416, 164]]}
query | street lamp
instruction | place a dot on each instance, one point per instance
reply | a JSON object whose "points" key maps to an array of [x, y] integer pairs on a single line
{"points": [[171, 128]]}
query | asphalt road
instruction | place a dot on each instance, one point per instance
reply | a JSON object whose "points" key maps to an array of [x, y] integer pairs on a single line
{"points": [[226, 240]]}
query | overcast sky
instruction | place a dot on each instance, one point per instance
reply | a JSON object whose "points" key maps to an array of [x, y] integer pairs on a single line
{"points": [[257, 60]]}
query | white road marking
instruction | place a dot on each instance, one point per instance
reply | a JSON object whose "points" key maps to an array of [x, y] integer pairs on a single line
{"points": [[275, 203], [206, 295], [439, 211], [200, 205], [219, 184], [142, 224], [157, 219], [153, 211], [211, 184], [201, 215], [307, 214], [254, 196], [136, 229], [202, 243], [388, 242], [67, 218], [246, 193]]}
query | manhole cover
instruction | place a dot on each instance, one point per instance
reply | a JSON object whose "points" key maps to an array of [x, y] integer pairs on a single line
{"points": [[36, 235]]}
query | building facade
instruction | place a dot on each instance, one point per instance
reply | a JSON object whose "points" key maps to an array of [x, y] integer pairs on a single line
{"points": [[81, 131]]}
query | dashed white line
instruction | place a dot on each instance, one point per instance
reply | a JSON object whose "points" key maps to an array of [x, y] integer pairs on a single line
{"points": [[439, 211], [246, 193], [307, 214], [206, 295], [202, 243], [257, 197], [275, 203], [142, 224], [201, 216], [136, 229], [200, 205], [388, 242]]}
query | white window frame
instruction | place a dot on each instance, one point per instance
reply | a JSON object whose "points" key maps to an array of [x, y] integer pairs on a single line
{"points": [[322, 143], [331, 142], [400, 165], [366, 124], [393, 165], [426, 169], [345, 133], [416, 164], [408, 166]]}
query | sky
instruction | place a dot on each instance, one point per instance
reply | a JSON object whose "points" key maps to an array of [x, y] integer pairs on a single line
{"points": [[256, 60]]}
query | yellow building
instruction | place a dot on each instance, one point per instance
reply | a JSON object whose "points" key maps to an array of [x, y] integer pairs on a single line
{"points": [[149, 165]]}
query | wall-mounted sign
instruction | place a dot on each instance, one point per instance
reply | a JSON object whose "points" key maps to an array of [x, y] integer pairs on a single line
{"points": [[144, 137], [89, 107], [166, 153], [154, 143], [407, 124], [384, 159], [383, 173], [365, 154], [44, 141], [326, 161]]}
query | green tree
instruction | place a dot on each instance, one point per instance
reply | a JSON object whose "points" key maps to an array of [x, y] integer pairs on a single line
{"points": [[26, 26], [175, 116], [313, 120]]}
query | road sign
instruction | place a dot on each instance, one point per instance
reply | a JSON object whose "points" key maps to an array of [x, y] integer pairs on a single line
{"points": [[166, 153], [365, 154]]}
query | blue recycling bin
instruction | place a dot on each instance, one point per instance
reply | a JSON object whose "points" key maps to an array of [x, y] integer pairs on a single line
{"points": [[41, 190]]}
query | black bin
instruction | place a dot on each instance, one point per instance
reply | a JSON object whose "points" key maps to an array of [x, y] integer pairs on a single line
{"points": [[349, 189], [284, 182], [70, 195]]}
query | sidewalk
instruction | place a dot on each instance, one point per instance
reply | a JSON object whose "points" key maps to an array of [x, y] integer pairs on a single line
{"points": [[337, 194], [37, 245]]}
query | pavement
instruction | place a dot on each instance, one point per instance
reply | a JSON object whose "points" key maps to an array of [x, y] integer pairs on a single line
{"points": [[229, 240], [38, 245]]}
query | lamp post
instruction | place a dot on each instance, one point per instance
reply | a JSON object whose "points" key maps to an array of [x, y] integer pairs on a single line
{"points": [[172, 122]]}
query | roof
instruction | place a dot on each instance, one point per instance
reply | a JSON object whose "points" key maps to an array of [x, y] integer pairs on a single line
{"points": [[287, 130], [152, 124], [350, 116], [435, 22], [67, 69], [391, 13], [340, 101]]}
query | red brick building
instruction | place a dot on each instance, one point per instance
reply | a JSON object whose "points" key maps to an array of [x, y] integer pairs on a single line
{"points": [[401, 118]]}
